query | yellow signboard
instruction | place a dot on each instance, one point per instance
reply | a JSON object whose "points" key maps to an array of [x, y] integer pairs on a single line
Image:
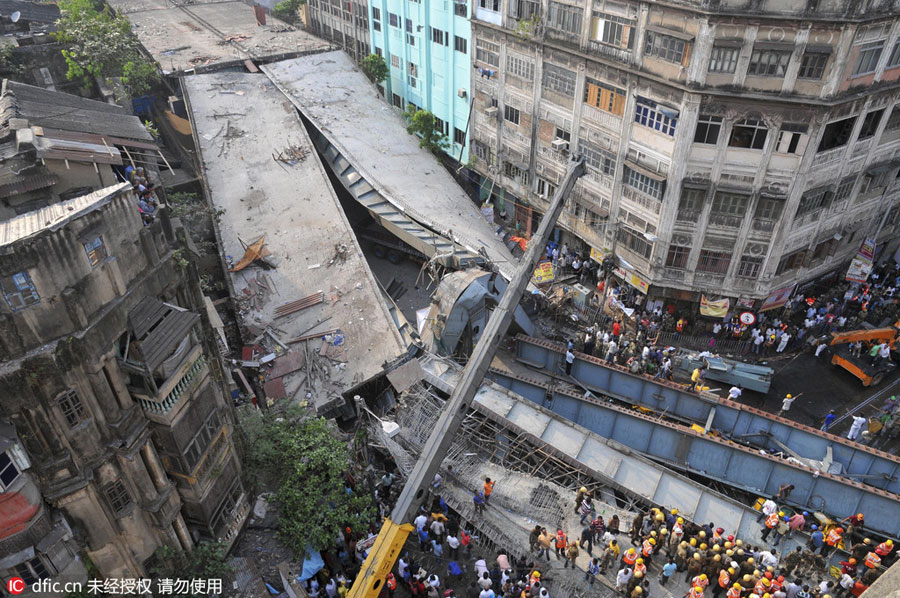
{"points": [[633, 279], [715, 309], [596, 255], [543, 273]]}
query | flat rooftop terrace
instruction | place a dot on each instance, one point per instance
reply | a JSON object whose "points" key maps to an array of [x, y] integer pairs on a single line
{"points": [[298, 212], [344, 105], [206, 34]]}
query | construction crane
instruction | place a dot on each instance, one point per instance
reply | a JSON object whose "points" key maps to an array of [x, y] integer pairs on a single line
{"points": [[396, 528], [861, 367]]}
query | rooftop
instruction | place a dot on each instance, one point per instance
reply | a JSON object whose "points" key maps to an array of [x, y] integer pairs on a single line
{"points": [[297, 211], [66, 112], [343, 104], [55, 215], [208, 33], [38, 12]]}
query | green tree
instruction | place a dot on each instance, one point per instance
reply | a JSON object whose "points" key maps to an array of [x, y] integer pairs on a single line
{"points": [[207, 560], [309, 465], [375, 68], [288, 10], [139, 76], [424, 124], [99, 43]]}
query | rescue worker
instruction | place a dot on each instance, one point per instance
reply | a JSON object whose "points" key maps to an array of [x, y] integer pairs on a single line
{"points": [[873, 561], [734, 591], [771, 523], [833, 539], [629, 558], [723, 581], [647, 549], [640, 568], [694, 592], [561, 544]]}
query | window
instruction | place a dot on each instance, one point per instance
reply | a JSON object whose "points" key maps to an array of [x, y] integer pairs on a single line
{"points": [[487, 52], [635, 242], [690, 204], [523, 9], [412, 81], [813, 201], [867, 60], [769, 63], [894, 58], [511, 114], [893, 122], [520, 66], [545, 188], [792, 261], [459, 137], [708, 128], [558, 79], [665, 47], [845, 188], [768, 209], [678, 256], [412, 69], [837, 134], [612, 30], [410, 39], [565, 18], [791, 139], [397, 100], [225, 511], [378, 51], [441, 126], [723, 59], [515, 173], [748, 133], [460, 44], [9, 473], [393, 19], [483, 152], [812, 65], [650, 114], [376, 19], [870, 124], [409, 25], [603, 96], [32, 570], [643, 183], [749, 266], [714, 262], [731, 204], [395, 61], [492, 5], [439, 37], [118, 497], [823, 249], [198, 445], [459, 9], [72, 408], [597, 158], [19, 291], [563, 134]]}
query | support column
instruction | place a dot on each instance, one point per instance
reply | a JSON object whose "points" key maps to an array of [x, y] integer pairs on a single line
{"points": [[182, 532], [117, 384], [151, 460]]}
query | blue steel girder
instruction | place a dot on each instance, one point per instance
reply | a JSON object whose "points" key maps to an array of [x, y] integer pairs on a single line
{"points": [[731, 419], [713, 457]]}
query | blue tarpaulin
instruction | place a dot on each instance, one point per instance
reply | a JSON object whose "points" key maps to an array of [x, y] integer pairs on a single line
{"points": [[312, 564]]}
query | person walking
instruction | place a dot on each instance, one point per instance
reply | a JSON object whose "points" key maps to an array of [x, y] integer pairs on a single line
{"points": [[856, 427], [561, 544], [478, 500], [668, 570], [545, 542], [829, 419], [587, 509], [488, 489], [571, 555], [786, 403], [570, 360], [593, 570]]}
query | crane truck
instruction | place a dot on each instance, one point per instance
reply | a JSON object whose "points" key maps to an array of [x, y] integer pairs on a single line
{"points": [[392, 536], [862, 367]]}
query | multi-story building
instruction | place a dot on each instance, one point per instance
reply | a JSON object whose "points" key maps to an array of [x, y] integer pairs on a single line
{"points": [[114, 390], [733, 148], [344, 22], [426, 44]]}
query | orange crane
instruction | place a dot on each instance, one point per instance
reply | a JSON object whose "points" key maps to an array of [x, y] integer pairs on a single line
{"points": [[861, 367]]}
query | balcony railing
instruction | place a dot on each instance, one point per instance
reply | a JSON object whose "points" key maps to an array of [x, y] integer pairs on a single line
{"points": [[635, 196], [725, 220], [687, 216], [765, 226], [619, 54], [828, 156], [183, 387]]}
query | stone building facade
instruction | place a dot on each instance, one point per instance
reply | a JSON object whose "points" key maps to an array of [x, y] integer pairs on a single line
{"points": [[733, 148], [346, 23], [114, 391]]}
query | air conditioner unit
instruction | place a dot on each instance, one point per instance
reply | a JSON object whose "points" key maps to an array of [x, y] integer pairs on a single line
{"points": [[492, 111], [560, 144], [461, 92]]}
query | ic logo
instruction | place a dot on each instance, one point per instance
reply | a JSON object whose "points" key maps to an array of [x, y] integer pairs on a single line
{"points": [[15, 585]]}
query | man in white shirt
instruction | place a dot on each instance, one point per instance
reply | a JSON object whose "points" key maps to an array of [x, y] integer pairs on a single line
{"points": [[768, 508], [735, 393], [420, 521]]}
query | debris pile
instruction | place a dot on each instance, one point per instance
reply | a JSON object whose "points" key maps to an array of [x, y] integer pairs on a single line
{"points": [[292, 154]]}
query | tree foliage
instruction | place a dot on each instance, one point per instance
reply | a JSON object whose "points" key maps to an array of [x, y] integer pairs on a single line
{"points": [[101, 44], [375, 68], [207, 560], [288, 10], [424, 124], [310, 465]]}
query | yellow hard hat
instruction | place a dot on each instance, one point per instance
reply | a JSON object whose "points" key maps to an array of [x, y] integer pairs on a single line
{"points": [[679, 520], [674, 511], [663, 532], [653, 534], [702, 534], [889, 542], [717, 558], [781, 513], [737, 586], [697, 556], [703, 546], [729, 552], [693, 541], [703, 576], [638, 590], [638, 574], [766, 582], [652, 541], [788, 395], [731, 572], [583, 490], [698, 589], [750, 560], [631, 551], [640, 562]]}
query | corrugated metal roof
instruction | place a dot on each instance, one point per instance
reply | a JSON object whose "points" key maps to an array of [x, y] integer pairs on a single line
{"points": [[55, 215], [24, 184], [158, 328], [67, 112]]}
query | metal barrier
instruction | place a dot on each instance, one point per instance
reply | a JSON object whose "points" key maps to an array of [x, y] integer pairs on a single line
{"points": [[701, 343]]}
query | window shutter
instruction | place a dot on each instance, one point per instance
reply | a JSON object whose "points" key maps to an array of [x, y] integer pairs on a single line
{"points": [[596, 28], [627, 39], [513, 8], [801, 144], [686, 58], [619, 104], [592, 94]]}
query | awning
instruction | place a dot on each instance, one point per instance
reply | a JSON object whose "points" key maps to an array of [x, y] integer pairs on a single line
{"points": [[676, 34]]}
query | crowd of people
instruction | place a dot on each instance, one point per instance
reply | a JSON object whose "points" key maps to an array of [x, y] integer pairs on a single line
{"points": [[144, 190]]}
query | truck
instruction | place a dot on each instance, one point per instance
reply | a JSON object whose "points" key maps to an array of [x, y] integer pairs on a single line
{"points": [[862, 366]]}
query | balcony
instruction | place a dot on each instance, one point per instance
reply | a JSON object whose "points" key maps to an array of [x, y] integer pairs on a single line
{"points": [[188, 377], [725, 220], [611, 52], [861, 148], [687, 216], [645, 201], [828, 156], [716, 281], [762, 225]]}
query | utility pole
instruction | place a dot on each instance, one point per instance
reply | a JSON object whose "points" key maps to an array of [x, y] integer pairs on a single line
{"points": [[612, 253]]}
